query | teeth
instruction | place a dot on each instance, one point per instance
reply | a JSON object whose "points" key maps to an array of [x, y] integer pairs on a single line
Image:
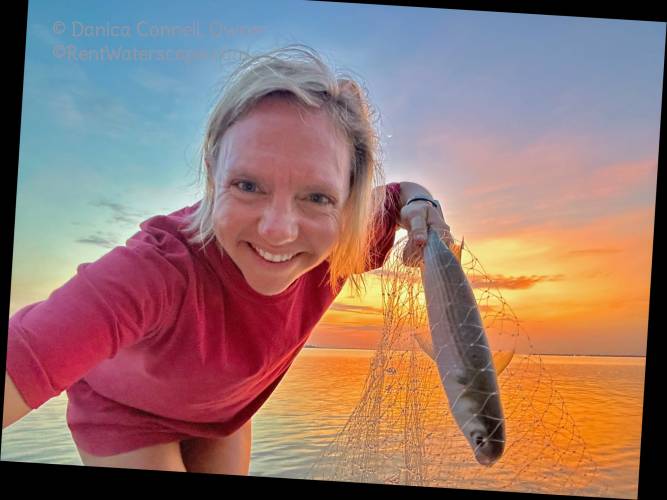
{"points": [[273, 258]]}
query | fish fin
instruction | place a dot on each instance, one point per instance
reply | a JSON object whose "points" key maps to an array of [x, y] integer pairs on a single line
{"points": [[457, 250], [501, 359], [425, 343]]}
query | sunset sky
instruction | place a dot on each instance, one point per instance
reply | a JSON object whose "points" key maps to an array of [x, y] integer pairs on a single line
{"points": [[539, 134]]}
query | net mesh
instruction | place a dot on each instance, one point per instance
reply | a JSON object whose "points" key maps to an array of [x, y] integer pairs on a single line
{"points": [[401, 430]]}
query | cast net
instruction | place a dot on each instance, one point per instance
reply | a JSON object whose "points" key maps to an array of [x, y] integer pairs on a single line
{"points": [[401, 430]]}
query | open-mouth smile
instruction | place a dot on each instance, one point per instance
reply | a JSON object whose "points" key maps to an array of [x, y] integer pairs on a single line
{"points": [[273, 258]]}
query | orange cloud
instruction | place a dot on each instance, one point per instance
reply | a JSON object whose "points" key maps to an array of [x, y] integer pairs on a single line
{"points": [[570, 285], [510, 282]]}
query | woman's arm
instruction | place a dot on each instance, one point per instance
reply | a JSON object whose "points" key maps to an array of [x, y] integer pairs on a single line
{"points": [[14, 408], [410, 190], [108, 305]]}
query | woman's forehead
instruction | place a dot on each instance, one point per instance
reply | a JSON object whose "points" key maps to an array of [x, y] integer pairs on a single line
{"points": [[305, 159], [278, 137], [273, 122], [309, 171]]}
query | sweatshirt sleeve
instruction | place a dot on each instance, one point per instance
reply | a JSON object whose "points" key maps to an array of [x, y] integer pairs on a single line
{"points": [[110, 304], [387, 228]]}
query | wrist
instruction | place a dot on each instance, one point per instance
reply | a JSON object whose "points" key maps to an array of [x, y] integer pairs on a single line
{"points": [[409, 190], [426, 199]]}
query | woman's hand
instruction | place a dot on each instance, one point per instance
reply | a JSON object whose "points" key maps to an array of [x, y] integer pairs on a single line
{"points": [[416, 217]]}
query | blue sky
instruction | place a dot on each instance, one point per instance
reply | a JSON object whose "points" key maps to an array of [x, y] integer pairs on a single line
{"points": [[505, 117]]}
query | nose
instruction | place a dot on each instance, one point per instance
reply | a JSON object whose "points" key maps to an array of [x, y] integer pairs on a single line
{"points": [[279, 223]]}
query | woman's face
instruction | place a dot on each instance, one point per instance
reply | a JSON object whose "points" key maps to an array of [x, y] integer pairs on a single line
{"points": [[281, 181]]}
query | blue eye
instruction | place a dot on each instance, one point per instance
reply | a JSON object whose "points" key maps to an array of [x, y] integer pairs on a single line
{"points": [[246, 186], [319, 199]]}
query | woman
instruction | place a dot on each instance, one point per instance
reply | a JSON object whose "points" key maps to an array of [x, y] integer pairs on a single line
{"points": [[168, 345]]}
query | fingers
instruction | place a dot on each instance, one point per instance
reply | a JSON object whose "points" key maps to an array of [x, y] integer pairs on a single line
{"points": [[418, 227], [420, 221], [417, 219], [437, 223], [417, 236]]}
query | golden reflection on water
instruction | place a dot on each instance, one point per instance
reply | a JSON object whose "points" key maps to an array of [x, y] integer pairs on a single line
{"points": [[573, 424], [602, 397]]}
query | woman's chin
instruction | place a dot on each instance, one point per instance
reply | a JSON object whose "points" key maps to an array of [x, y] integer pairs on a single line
{"points": [[264, 288]]}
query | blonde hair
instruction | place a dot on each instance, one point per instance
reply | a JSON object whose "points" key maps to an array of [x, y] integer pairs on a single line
{"points": [[297, 73]]}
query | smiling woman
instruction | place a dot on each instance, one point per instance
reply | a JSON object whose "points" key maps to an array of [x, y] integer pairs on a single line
{"points": [[182, 334], [330, 123], [280, 222]]}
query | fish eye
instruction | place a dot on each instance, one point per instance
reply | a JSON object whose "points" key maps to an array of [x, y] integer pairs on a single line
{"points": [[477, 438]]}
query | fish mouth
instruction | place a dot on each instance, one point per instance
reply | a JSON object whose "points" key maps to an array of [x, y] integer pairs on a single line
{"points": [[485, 459], [486, 451]]}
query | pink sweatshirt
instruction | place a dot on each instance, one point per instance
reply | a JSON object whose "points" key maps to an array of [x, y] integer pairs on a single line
{"points": [[159, 340]]}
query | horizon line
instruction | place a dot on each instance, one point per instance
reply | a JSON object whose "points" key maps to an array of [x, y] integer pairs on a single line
{"points": [[309, 346]]}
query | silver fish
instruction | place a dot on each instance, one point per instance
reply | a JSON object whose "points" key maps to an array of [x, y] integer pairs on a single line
{"points": [[461, 352]]}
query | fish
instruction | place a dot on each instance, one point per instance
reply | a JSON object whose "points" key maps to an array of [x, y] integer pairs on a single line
{"points": [[460, 349], [500, 358]]}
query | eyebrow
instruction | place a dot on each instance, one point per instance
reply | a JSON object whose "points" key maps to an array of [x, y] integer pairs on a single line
{"points": [[318, 185]]}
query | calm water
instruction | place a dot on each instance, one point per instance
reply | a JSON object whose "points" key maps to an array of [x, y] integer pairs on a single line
{"points": [[603, 395]]}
